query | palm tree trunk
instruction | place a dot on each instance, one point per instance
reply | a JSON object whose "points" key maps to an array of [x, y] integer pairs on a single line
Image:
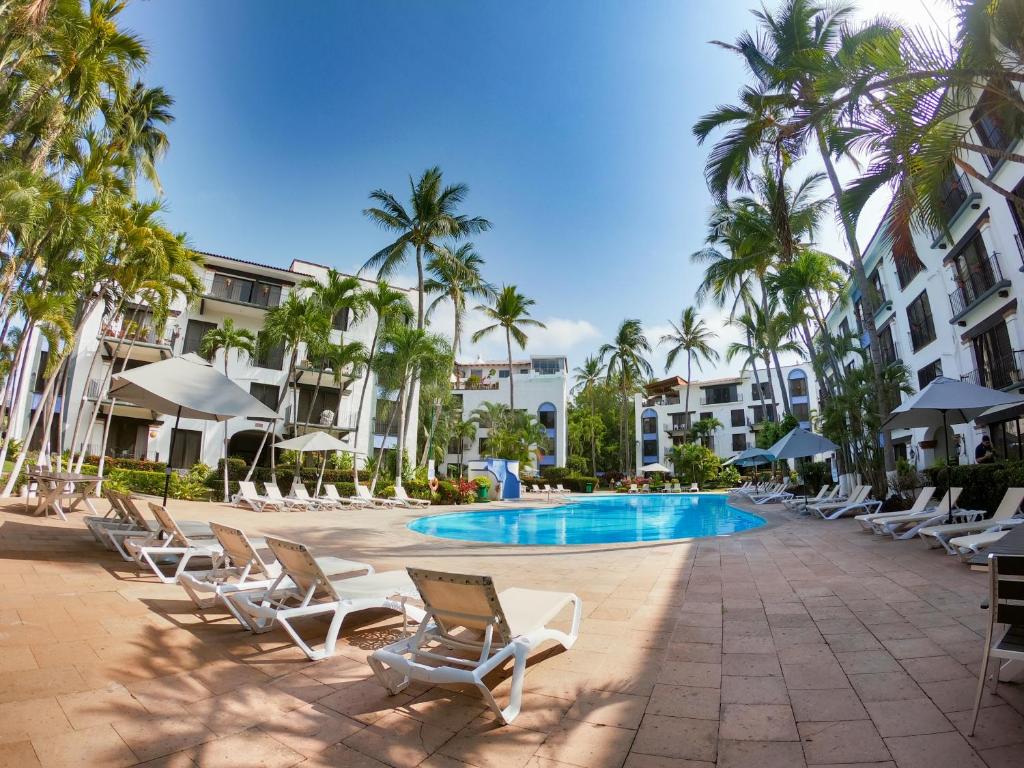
{"points": [[15, 380], [775, 402], [312, 400], [400, 447], [782, 383], [861, 280], [380, 459], [266, 433], [511, 377], [362, 400], [227, 491], [686, 407], [593, 435], [113, 402]]}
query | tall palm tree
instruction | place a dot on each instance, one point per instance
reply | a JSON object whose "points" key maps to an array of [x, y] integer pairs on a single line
{"points": [[228, 339], [463, 430], [587, 377], [693, 337], [510, 313], [431, 217], [625, 361], [293, 323]]}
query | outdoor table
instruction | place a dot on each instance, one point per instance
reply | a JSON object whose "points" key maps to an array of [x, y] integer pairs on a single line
{"points": [[53, 487]]}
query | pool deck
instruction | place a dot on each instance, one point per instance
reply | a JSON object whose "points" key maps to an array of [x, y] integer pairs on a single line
{"points": [[800, 643]]}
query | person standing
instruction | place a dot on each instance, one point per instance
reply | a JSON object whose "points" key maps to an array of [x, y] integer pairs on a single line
{"points": [[984, 453]]}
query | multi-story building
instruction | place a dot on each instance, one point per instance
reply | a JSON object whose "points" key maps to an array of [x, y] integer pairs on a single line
{"points": [[541, 386], [948, 306], [741, 403], [242, 291]]}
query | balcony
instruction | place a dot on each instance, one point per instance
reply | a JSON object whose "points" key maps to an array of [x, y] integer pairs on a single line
{"points": [[956, 193], [136, 341], [475, 385], [656, 400], [1020, 250], [676, 430], [326, 423], [1003, 373], [737, 397], [984, 279], [236, 295], [308, 371]]}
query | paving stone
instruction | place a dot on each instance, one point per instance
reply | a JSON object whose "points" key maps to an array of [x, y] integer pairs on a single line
{"points": [[885, 686], [852, 741], [685, 701], [908, 717], [615, 709], [681, 737], [759, 754], [860, 662], [827, 705], [757, 722], [751, 664], [589, 745], [754, 690], [936, 750]]}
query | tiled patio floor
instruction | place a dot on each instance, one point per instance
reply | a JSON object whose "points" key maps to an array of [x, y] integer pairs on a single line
{"points": [[803, 643]]}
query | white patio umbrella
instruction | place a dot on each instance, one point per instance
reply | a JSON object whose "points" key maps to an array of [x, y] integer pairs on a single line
{"points": [[315, 441], [799, 443], [186, 386], [947, 401], [655, 467]]}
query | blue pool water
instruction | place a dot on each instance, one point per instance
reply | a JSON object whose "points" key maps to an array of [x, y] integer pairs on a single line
{"points": [[596, 520]]}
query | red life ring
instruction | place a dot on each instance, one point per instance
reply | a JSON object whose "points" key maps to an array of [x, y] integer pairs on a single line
{"points": [[434, 485]]}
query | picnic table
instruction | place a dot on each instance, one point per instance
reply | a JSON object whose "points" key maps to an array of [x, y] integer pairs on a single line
{"points": [[54, 487]]}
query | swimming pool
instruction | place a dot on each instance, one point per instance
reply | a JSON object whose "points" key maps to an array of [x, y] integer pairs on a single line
{"points": [[596, 520]]}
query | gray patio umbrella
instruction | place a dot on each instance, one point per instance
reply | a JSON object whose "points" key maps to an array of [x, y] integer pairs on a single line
{"points": [[947, 401], [799, 443], [752, 457], [315, 441], [186, 386]]}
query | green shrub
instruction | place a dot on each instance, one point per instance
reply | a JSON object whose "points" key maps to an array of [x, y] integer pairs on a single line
{"points": [[815, 475], [142, 465], [983, 484], [577, 484], [236, 468]]}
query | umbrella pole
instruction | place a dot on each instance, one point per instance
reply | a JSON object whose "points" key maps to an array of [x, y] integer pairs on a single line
{"points": [[320, 480], [170, 456], [949, 469]]}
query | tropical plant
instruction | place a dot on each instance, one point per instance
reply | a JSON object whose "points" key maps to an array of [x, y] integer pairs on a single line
{"points": [[587, 377], [693, 337], [625, 362], [511, 314], [431, 217], [462, 431]]}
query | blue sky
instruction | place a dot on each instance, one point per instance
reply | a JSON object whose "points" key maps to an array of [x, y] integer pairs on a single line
{"points": [[570, 121]]}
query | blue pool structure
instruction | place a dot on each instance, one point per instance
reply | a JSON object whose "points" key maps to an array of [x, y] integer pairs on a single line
{"points": [[609, 519]]}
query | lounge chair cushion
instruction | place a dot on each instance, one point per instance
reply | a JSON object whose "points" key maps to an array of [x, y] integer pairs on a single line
{"points": [[527, 610], [395, 582]]}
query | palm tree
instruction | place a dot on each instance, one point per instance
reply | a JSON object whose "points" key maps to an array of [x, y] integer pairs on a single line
{"points": [[292, 323], [511, 313], [409, 352], [229, 339], [431, 217], [463, 430], [693, 337], [625, 361], [587, 377], [705, 429]]}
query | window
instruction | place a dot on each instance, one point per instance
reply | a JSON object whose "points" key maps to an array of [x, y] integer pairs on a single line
{"points": [[1017, 212], [858, 315], [267, 394], [243, 291], [547, 367], [919, 315], [455, 445], [908, 266], [927, 374], [650, 449], [844, 328], [270, 357], [765, 392], [992, 122], [648, 422], [996, 361], [385, 418], [546, 416], [185, 447], [725, 393], [797, 384], [477, 372], [974, 272], [503, 373], [879, 286], [341, 320], [886, 345], [524, 370], [482, 446], [194, 332], [316, 409], [739, 441], [679, 421], [739, 418], [899, 451], [706, 415], [763, 414], [802, 411]]}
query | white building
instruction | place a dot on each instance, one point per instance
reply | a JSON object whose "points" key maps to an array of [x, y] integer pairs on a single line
{"points": [[541, 386], [951, 307], [242, 291], [661, 417]]}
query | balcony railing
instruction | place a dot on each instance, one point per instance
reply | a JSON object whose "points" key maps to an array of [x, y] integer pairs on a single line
{"points": [[1020, 250], [734, 397], [662, 400], [955, 191], [239, 290], [139, 333], [476, 385], [1003, 372], [983, 276]]}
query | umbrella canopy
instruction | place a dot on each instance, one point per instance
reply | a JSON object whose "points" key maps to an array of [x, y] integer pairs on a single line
{"points": [[314, 441], [799, 443], [656, 467], [946, 401], [753, 456], [189, 387]]}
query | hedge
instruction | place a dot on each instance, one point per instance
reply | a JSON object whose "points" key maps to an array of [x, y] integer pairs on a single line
{"points": [[983, 484], [578, 484], [140, 464], [185, 487]]}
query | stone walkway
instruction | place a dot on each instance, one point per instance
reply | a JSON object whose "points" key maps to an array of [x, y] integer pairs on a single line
{"points": [[801, 643]]}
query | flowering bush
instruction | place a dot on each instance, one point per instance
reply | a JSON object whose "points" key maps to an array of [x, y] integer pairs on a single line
{"points": [[456, 491]]}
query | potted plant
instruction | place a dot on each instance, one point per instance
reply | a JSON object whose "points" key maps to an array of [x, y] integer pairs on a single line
{"points": [[483, 486]]}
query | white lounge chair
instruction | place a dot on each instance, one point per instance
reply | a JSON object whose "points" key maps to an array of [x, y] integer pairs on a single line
{"points": [[560, 489], [825, 494], [248, 494], [243, 569], [331, 494], [363, 493], [274, 494], [299, 493], [905, 527], [858, 500], [741, 489], [921, 503], [773, 497], [633, 488], [969, 546], [304, 590], [408, 500], [176, 547], [1004, 516], [762, 489], [471, 630], [136, 526]]}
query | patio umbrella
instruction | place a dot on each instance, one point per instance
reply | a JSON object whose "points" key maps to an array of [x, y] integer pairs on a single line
{"points": [[799, 443], [752, 457], [947, 401], [656, 467], [315, 441], [186, 386]]}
